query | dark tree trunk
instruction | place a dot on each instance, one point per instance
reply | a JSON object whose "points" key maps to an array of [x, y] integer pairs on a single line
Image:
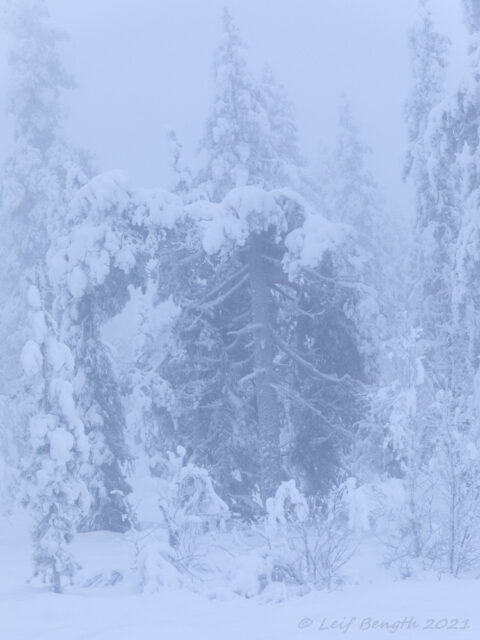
{"points": [[266, 396]]}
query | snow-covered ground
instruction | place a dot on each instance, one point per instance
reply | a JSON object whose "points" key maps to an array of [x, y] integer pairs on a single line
{"points": [[119, 613]]}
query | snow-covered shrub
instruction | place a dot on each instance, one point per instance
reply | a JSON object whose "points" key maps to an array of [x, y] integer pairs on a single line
{"points": [[430, 520], [191, 514], [309, 541], [459, 487], [404, 523], [190, 505]]}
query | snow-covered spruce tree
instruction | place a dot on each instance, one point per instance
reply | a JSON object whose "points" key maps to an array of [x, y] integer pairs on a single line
{"points": [[237, 124], [91, 267], [39, 177], [460, 466], [220, 424], [57, 496], [356, 200], [216, 423], [430, 300], [216, 330], [213, 415], [226, 267], [355, 308], [42, 177], [354, 196], [440, 515]]}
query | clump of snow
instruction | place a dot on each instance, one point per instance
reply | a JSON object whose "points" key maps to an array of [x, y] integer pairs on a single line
{"points": [[61, 444], [357, 502], [40, 426], [287, 504], [77, 282], [33, 297], [157, 208], [243, 211], [59, 356], [307, 244], [39, 326], [31, 358]]}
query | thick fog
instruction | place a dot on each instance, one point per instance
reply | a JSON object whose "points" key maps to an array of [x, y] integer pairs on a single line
{"points": [[140, 70], [239, 319]]}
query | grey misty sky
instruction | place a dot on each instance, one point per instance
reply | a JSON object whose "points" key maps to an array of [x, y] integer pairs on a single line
{"points": [[144, 66]]}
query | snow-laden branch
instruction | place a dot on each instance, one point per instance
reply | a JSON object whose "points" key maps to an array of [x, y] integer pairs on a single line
{"points": [[310, 368]]}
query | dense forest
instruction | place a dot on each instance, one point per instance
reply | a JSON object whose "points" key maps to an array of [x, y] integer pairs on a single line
{"points": [[255, 374]]}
